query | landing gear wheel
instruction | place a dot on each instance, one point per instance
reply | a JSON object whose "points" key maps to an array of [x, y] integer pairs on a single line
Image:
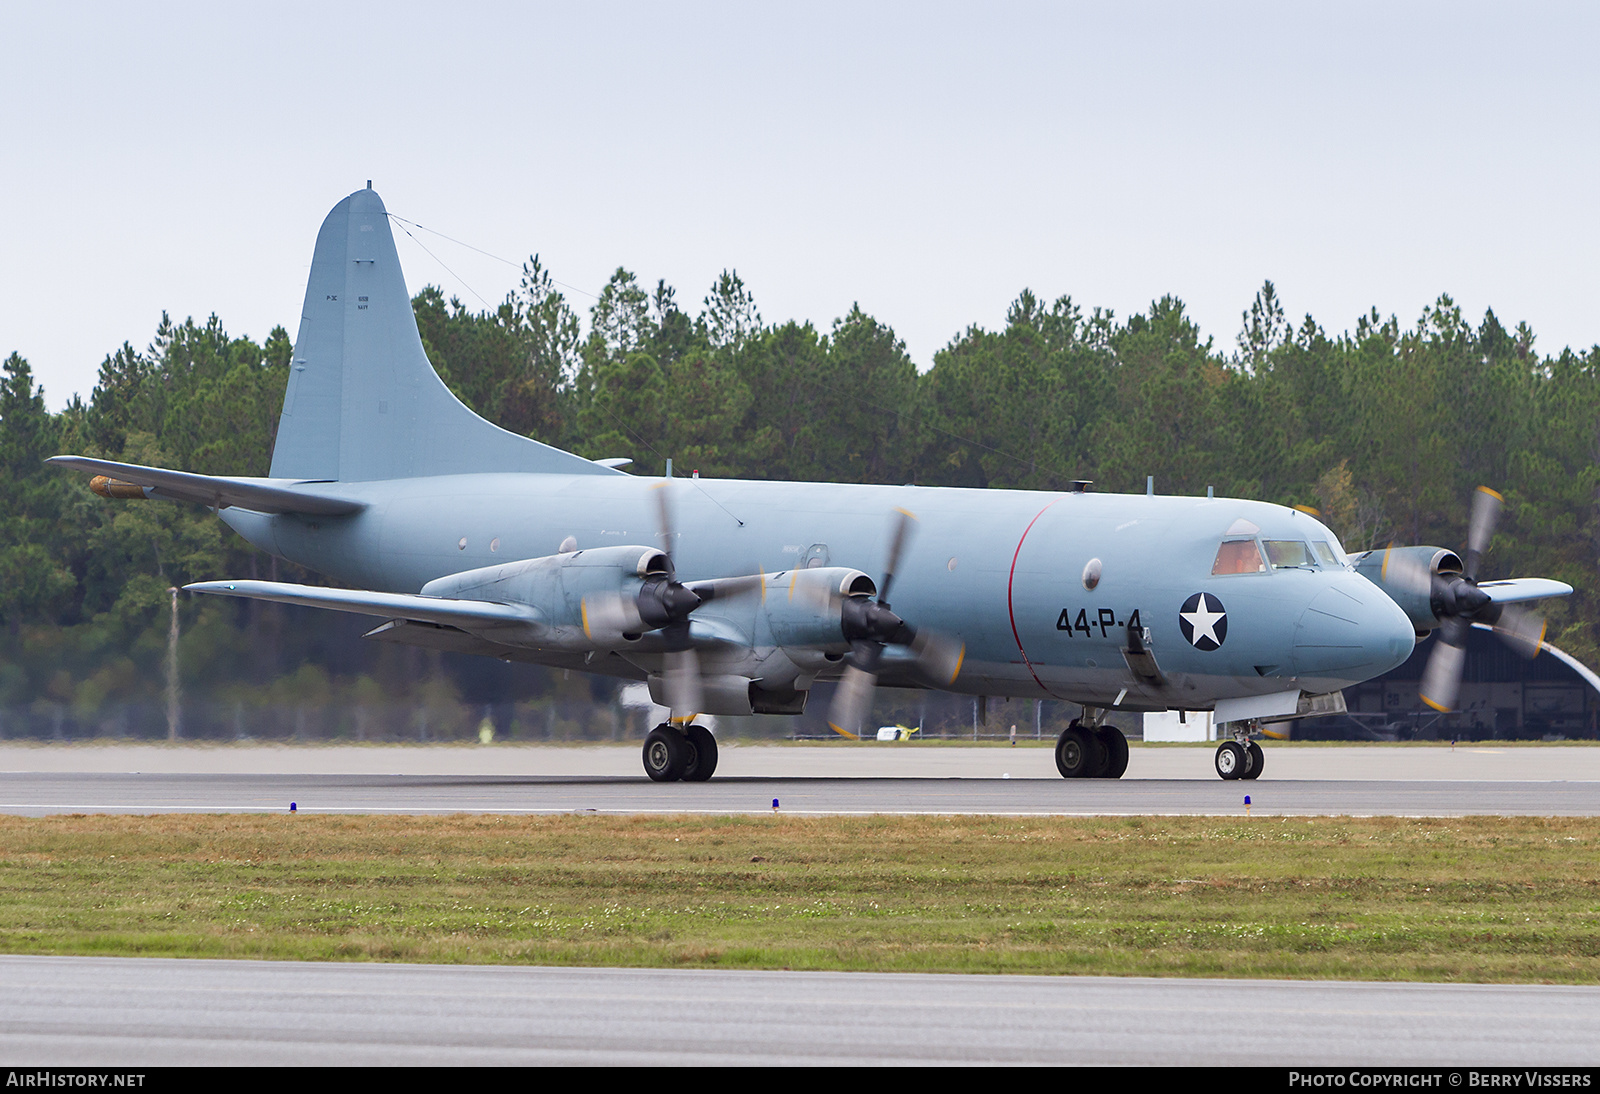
{"points": [[666, 754], [1115, 746], [1232, 760], [703, 747], [1258, 759], [1079, 753]]}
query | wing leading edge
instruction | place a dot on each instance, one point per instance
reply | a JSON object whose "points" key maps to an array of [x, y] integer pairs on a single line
{"points": [[1515, 589], [259, 495], [472, 615]]}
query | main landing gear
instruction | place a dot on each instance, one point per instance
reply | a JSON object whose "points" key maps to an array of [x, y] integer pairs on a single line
{"points": [[1240, 758], [673, 753], [1090, 749]]}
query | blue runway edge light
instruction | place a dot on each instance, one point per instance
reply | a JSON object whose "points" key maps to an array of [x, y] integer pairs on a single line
{"points": [[293, 807]]}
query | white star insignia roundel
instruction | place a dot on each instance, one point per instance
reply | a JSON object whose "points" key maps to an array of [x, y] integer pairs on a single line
{"points": [[1203, 621]]}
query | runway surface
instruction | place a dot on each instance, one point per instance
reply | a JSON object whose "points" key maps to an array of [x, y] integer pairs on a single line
{"points": [[1355, 780], [839, 759], [131, 1012], [36, 794]]}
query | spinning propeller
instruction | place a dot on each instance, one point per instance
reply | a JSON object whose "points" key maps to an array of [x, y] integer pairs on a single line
{"points": [[664, 604], [681, 666], [869, 626], [1458, 602]]}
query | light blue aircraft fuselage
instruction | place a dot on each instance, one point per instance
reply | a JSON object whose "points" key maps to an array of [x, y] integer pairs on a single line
{"points": [[1000, 569]]}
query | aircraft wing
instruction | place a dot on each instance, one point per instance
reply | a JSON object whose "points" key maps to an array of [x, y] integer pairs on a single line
{"points": [[1523, 588], [466, 614], [260, 495]]}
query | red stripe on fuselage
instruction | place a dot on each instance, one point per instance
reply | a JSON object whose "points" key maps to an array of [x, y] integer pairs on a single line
{"points": [[1011, 611]]}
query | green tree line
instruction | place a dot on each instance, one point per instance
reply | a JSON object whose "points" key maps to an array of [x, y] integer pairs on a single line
{"points": [[1384, 429]]}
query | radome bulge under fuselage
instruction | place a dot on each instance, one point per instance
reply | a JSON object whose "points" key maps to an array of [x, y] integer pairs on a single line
{"points": [[1002, 570]]}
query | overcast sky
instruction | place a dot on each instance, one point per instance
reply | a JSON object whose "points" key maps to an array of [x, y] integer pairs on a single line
{"points": [[926, 160]]}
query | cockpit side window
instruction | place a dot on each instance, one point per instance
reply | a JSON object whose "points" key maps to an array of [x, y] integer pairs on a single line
{"points": [[1286, 553], [1238, 556], [1325, 554]]}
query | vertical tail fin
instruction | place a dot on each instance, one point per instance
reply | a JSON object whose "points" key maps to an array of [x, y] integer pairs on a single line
{"points": [[363, 402]]}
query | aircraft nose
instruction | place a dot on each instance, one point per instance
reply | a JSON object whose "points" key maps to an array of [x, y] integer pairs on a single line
{"points": [[1351, 630]]}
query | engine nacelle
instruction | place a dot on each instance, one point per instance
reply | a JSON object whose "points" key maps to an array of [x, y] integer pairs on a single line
{"points": [[1385, 568], [564, 588], [804, 607]]}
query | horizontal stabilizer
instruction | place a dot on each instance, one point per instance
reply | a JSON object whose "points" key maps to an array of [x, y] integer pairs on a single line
{"points": [[260, 495], [471, 615], [1514, 589]]}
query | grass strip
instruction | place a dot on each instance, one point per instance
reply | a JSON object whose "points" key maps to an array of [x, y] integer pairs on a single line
{"points": [[1485, 899]]}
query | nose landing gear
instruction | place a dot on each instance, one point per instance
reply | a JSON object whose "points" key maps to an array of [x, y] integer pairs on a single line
{"points": [[672, 754], [1240, 758]]}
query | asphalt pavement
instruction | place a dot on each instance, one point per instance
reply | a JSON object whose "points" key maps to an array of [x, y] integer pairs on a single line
{"points": [[824, 778], [131, 1012]]}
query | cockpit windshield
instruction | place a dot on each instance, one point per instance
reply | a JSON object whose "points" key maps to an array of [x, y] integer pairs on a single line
{"points": [[1238, 556], [1244, 556], [1287, 553]]}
